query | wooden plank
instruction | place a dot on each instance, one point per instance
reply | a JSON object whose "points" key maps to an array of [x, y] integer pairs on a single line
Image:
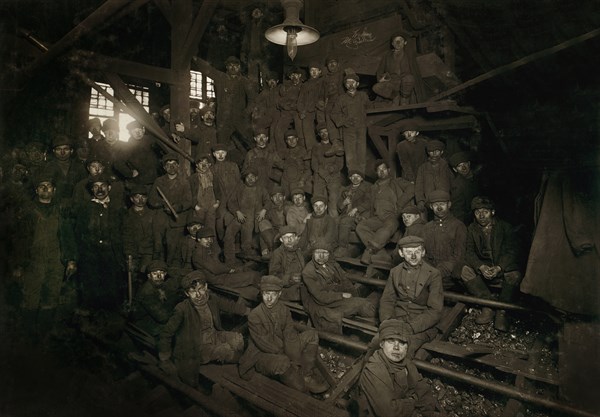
{"points": [[269, 394], [503, 361], [347, 382]]}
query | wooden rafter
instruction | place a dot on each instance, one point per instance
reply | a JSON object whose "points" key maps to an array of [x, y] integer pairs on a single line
{"points": [[197, 30], [165, 8], [89, 24]]}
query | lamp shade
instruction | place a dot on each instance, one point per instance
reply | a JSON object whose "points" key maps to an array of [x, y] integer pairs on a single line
{"points": [[292, 29]]}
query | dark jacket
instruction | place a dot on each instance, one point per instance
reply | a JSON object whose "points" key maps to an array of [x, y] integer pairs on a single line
{"points": [[503, 244], [420, 306]]}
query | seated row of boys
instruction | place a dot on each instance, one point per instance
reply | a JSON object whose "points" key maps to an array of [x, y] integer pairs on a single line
{"points": [[277, 347]]}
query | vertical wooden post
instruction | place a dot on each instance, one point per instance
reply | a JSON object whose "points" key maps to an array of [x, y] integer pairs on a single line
{"points": [[182, 13]]}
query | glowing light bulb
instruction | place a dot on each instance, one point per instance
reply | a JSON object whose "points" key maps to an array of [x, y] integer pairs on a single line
{"points": [[292, 43]]}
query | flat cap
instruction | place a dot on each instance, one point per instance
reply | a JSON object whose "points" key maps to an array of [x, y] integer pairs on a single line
{"points": [[316, 198], [45, 175], [252, 169], [480, 201], [194, 103], [459, 158], [349, 73], [165, 107], [192, 278], [435, 145], [93, 122], [402, 33], [59, 140], [110, 124], [277, 189], [156, 265], [410, 209], [261, 131], [356, 172], [290, 132], [379, 162], [297, 191], [232, 60], [321, 244], [410, 242], [284, 230], [321, 126], [438, 195], [395, 329], [205, 232], [270, 283], [139, 189], [104, 177], [171, 156], [219, 147], [134, 124], [192, 220]]}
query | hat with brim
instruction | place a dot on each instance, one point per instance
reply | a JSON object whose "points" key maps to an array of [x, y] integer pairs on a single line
{"points": [[410, 209], [156, 265], [482, 202], [205, 232], [411, 242], [435, 145], [459, 158], [438, 196]]}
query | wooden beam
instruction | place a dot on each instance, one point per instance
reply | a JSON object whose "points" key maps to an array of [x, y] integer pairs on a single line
{"points": [[518, 63], [197, 31], [89, 24], [131, 7], [136, 110], [165, 8], [124, 67]]}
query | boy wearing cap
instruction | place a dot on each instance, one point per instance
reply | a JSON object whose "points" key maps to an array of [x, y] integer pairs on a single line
{"points": [[327, 169], [320, 226], [205, 258], [390, 384], [45, 254], [445, 238], [434, 174], [276, 348], [491, 255], [181, 250], [413, 293], [296, 165], [247, 207], [264, 159], [138, 231], [289, 92], [98, 233], [264, 108], [396, 72], [95, 166], [194, 335], [204, 135], [465, 186], [349, 113], [312, 96], [328, 295], [65, 169], [234, 93], [172, 206], [274, 220], [287, 263], [226, 178], [354, 204], [138, 162], [155, 300], [411, 152], [204, 192], [298, 213], [388, 197], [334, 88]]}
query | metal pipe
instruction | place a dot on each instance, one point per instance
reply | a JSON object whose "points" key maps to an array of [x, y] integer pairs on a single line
{"points": [[33, 40], [501, 389], [336, 338], [449, 295]]}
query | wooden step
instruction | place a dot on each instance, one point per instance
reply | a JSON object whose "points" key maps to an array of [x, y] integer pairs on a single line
{"points": [[269, 395]]}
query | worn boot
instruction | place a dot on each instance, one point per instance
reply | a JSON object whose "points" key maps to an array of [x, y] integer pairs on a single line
{"points": [[293, 378], [478, 288], [313, 378], [337, 149], [507, 295], [366, 256]]}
